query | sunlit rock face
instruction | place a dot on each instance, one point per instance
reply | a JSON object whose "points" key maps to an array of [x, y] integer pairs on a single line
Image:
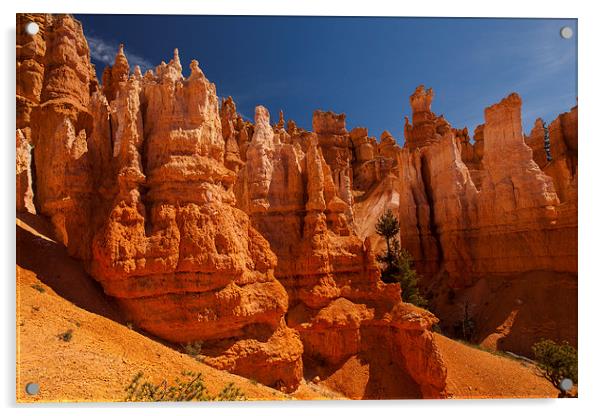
{"points": [[173, 242], [337, 301], [258, 239], [54, 83], [134, 179], [494, 207], [497, 213]]}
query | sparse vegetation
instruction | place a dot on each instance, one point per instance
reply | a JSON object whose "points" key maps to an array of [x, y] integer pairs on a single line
{"points": [[397, 262], [408, 280], [130, 326], [556, 362], [194, 349], [479, 347], [190, 388], [38, 287], [66, 336]]}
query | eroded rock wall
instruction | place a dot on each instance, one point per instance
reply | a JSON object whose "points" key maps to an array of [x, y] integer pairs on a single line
{"points": [[134, 179], [54, 82], [174, 243], [336, 297], [259, 239], [504, 217], [476, 211]]}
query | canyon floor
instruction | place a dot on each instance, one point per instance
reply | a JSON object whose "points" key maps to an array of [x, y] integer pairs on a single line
{"points": [[55, 295]]}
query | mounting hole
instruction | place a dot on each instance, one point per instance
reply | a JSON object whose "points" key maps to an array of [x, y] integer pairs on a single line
{"points": [[32, 388], [566, 32], [566, 384], [32, 28]]}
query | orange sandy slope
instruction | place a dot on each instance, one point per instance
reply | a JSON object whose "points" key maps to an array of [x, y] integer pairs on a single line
{"points": [[476, 374]]}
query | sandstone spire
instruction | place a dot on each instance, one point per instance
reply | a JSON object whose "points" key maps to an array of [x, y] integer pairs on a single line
{"points": [[420, 101], [176, 60], [423, 129], [115, 74], [280, 125], [137, 72]]}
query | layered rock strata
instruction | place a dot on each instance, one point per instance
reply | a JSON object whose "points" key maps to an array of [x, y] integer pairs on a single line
{"points": [[174, 242], [55, 79], [505, 217], [474, 212], [259, 239], [336, 298], [134, 179]]}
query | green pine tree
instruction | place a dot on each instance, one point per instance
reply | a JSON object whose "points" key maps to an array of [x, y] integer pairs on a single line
{"points": [[388, 228], [397, 262], [408, 279]]}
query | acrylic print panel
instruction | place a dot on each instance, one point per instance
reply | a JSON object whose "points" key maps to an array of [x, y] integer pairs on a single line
{"points": [[233, 208]]}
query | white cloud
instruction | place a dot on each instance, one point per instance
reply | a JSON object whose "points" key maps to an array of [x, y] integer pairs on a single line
{"points": [[103, 51]]}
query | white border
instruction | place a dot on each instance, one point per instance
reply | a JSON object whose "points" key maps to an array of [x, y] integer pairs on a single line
{"points": [[590, 204]]}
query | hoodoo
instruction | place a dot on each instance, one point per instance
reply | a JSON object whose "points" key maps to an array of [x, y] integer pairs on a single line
{"points": [[259, 240]]}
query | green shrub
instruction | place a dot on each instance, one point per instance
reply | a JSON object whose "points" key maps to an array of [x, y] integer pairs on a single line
{"points": [[408, 279], [190, 388], [556, 361], [66, 336], [38, 287], [388, 228], [194, 349]]}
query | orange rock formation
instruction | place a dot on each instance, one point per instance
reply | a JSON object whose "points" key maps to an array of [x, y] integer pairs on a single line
{"points": [[471, 211], [258, 239], [134, 180], [336, 299], [493, 208], [501, 214]]}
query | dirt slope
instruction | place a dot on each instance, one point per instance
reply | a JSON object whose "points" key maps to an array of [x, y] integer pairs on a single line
{"points": [[103, 355], [476, 374]]}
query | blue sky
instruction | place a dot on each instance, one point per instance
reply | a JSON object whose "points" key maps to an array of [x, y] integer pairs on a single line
{"points": [[364, 67]]}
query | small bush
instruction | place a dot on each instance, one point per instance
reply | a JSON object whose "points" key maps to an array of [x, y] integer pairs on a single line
{"points": [[38, 287], [556, 361], [66, 336], [408, 279], [191, 388], [194, 349]]}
